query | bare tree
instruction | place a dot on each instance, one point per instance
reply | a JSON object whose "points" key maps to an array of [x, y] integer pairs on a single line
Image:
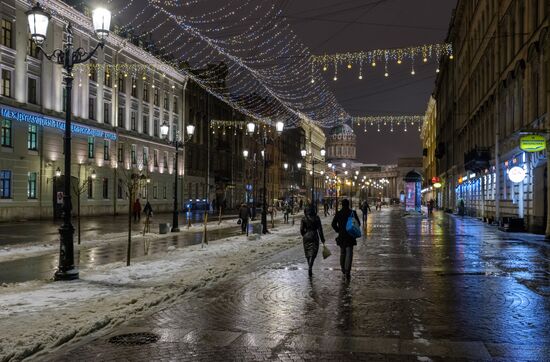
{"points": [[81, 187], [132, 180]]}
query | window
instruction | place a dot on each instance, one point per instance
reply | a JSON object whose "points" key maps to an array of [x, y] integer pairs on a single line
{"points": [[33, 49], [175, 108], [6, 133], [121, 83], [6, 83], [165, 159], [156, 158], [106, 150], [108, 81], [6, 33], [133, 155], [91, 147], [31, 185], [92, 75], [156, 128], [119, 189], [156, 97], [5, 184], [31, 141], [155, 191], [146, 124], [31, 90], [105, 188], [133, 121], [90, 187], [107, 113], [120, 152], [120, 118], [145, 92], [145, 156], [166, 102], [91, 108], [164, 191], [134, 87]]}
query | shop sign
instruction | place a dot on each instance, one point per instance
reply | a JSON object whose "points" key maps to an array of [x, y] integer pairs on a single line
{"points": [[40, 120], [532, 143], [516, 174]]}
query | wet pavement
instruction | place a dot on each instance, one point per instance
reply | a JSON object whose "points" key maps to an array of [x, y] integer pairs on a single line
{"points": [[47, 231], [443, 288]]}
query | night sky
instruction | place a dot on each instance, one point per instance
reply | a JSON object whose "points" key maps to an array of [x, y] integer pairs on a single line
{"points": [[329, 26]]}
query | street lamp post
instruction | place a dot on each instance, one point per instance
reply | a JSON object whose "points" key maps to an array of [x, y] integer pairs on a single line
{"points": [[305, 156], [177, 143], [67, 57]]}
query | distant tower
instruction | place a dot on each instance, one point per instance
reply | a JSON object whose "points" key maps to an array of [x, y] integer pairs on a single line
{"points": [[341, 143]]}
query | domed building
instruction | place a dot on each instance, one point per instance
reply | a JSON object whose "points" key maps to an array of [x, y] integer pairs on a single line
{"points": [[341, 143]]}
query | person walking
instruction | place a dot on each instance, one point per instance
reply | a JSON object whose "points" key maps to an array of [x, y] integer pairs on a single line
{"points": [[137, 210], [365, 209], [345, 241], [244, 215], [287, 210], [312, 232], [148, 211], [325, 207]]}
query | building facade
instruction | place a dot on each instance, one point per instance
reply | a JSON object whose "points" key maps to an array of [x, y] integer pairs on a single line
{"points": [[429, 166], [120, 99], [494, 90]]}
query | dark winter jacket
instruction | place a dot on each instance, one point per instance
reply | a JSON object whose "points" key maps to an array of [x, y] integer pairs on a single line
{"points": [[339, 225], [311, 231], [244, 213]]}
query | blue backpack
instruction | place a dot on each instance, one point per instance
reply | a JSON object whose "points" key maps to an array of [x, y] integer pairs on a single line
{"points": [[352, 226]]}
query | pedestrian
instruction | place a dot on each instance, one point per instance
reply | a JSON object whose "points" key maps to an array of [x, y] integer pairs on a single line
{"points": [[244, 215], [430, 207], [312, 232], [325, 207], [300, 204], [148, 212], [345, 241], [365, 209], [137, 210], [287, 210]]}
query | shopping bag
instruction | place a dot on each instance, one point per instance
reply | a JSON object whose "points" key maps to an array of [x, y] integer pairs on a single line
{"points": [[326, 252], [239, 221]]}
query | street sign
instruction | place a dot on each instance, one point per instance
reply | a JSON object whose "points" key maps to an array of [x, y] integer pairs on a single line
{"points": [[532, 143]]}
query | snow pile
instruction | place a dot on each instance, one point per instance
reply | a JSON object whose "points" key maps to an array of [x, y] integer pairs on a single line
{"points": [[38, 316]]}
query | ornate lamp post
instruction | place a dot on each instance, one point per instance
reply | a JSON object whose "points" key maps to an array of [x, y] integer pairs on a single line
{"points": [[305, 156], [177, 143], [67, 57]]}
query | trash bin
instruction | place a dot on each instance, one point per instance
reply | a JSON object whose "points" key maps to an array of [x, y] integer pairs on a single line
{"points": [[164, 228]]}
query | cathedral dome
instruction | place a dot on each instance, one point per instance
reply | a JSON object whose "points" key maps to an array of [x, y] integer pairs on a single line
{"points": [[341, 143]]}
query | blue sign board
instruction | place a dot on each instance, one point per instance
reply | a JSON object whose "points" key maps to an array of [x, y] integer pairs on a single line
{"points": [[40, 120]]}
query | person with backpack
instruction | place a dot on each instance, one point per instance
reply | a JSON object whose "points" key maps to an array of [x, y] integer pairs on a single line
{"points": [[312, 232], [344, 240]]}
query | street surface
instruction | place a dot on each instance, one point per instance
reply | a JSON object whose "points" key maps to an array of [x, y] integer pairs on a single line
{"points": [[421, 289]]}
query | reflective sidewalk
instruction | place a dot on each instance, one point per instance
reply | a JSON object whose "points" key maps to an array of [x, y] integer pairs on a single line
{"points": [[443, 288]]}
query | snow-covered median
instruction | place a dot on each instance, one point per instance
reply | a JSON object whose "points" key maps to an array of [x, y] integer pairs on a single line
{"points": [[38, 316]]}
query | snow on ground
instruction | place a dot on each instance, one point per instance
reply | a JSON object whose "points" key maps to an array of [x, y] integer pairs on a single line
{"points": [[18, 251], [38, 316]]}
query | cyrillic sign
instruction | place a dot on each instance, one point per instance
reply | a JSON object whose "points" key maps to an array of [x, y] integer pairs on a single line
{"points": [[43, 121], [532, 143]]}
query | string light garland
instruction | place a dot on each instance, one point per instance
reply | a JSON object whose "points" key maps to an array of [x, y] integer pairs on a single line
{"points": [[352, 60], [392, 122], [275, 84]]}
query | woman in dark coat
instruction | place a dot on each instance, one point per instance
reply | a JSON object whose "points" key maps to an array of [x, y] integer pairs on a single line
{"points": [[345, 241], [311, 231]]}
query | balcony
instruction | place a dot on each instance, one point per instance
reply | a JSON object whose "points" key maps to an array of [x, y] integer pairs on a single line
{"points": [[477, 159]]}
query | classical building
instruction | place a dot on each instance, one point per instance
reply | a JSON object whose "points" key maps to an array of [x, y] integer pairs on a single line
{"points": [[429, 169], [494, 90], [120, 99], [341, 144]]}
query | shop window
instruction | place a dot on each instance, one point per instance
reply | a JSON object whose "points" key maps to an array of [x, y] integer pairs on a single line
{"points": [[105, 188]]}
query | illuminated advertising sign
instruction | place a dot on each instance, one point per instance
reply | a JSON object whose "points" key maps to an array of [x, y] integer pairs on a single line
{"points": [[40, 120], [532, 143], [516, 174]]}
